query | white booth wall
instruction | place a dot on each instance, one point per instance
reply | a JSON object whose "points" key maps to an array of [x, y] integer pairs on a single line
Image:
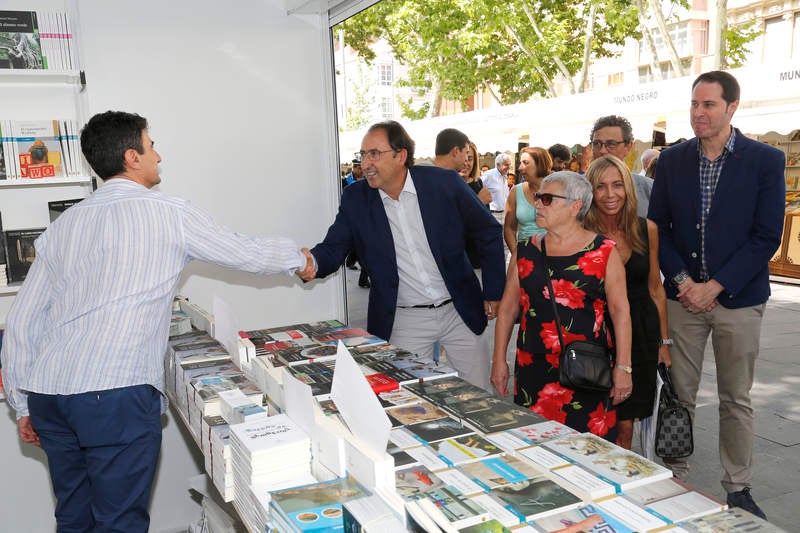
{"points": [[239, 103]]}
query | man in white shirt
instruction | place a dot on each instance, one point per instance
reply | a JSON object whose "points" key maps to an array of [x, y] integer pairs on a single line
{"points": [[85, 339], [496, 180]]}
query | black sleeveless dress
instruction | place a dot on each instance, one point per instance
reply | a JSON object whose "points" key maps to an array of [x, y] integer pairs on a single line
{"points": [[579, 283], [645, 335]]}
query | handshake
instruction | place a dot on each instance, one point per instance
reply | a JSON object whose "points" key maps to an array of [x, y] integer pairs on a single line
{"points": [[310, 271]]}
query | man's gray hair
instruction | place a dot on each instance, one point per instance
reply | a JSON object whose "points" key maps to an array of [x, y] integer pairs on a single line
{"points": [[576, 187], [499, 159]]}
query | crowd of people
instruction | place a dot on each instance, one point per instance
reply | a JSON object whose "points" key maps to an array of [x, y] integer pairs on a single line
{"points": [[447, 249], [648, 266]]}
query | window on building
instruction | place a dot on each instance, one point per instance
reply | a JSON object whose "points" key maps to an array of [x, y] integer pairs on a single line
{"points": [[618, 78], [777, 35], [679, 33], [386, 74], [387, 108], [796, 37]]}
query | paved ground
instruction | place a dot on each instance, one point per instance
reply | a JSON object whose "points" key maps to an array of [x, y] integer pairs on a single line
{"points": [[776, 399]]}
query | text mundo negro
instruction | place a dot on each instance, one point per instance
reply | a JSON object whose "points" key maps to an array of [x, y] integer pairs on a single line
{"points": [[637, 97]]}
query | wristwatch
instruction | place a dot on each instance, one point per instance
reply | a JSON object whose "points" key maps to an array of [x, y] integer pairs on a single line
{"points": [[625, 368], [666, 342], [680, 277]]}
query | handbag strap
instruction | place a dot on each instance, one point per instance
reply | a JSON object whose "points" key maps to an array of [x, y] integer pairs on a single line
{"points": [[668, 389], [559, 327]]}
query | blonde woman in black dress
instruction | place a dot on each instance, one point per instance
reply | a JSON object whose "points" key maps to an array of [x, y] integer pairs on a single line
{"points": [[613, 214]]}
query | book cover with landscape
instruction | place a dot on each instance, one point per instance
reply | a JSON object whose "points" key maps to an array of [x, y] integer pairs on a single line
{"points": [[611, 463], [20, 46], [536, 497]]}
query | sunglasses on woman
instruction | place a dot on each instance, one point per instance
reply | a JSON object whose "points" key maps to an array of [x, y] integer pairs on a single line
{"points": [[547, 198]]}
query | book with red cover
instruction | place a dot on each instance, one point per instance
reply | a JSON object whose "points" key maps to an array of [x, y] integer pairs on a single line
{"points": [[382, 383]]}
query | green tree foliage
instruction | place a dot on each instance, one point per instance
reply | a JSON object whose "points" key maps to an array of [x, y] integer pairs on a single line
{"points": [[737, 39], [517, 48]]}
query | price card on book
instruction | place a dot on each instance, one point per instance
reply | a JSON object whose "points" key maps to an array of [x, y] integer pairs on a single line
{"points": [[358, 404]]}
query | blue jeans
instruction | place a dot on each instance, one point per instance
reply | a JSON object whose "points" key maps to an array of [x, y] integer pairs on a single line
{"points": [[102, 448]]}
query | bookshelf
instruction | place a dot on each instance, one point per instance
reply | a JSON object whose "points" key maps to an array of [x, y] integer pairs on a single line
{"points": [[786, 261], [57, 92]]}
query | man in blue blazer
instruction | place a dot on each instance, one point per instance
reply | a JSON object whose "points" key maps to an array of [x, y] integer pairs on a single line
{"points": [[409, 225], [718, 201]]}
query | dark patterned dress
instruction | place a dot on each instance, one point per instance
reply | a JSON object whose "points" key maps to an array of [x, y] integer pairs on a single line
{"points": [[579, 284], [645, 334]]}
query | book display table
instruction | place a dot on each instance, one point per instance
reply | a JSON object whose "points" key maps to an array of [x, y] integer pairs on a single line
{"points": [[295, 450]]}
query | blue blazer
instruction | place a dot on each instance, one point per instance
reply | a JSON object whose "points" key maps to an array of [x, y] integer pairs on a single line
{"points": [[451, 213], [744, 225]]}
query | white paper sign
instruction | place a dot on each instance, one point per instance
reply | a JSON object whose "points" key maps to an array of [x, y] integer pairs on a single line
{"points": [[298, 402], [226, 327], [358, 404]]}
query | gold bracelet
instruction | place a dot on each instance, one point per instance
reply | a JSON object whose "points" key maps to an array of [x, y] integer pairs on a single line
{"points": [[625, 368]]}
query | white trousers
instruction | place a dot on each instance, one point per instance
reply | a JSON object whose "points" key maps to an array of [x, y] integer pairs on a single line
{"points": [[416, 330]]}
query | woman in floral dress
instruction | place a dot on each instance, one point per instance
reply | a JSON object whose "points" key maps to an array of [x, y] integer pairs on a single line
{"points": [[589, 280]]}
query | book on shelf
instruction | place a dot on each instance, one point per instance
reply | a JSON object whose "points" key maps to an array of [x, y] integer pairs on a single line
{"points": [[498, 471], [616, 465], [38, 146], [630, 514], [674, 500], [451, 509], [729, 520], [439, 429], [370, 514], [350, 337], [380, 382], [56, 207], [316, 507], [20, 252], [413, 482], [460, 450], [416, 412], [588, 518], [490, 526], [536, 498], [20, 45], [418, 521]]}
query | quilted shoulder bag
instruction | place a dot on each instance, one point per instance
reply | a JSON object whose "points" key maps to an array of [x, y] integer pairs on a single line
{"points": [[582, 365], [674, 439]]}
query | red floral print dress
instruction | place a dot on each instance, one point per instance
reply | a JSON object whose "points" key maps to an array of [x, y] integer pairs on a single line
{"points": [[578, 283]]}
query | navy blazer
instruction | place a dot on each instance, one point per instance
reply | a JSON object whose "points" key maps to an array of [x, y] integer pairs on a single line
{"points": [[744, 225], [451, 213]]}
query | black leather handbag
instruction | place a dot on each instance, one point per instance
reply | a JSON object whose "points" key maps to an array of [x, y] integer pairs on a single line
{"points": [[582, 365], [674, 438]]}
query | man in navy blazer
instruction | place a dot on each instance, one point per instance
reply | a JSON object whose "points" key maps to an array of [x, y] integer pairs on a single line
{"points": [[409, 225], [718, 201]]}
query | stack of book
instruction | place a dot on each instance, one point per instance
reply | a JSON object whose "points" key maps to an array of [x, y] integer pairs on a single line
{"points": [[461, 460], [268, 450], [215, 443], [236, 407], [473, 406], [254, 505], [314, 507], [36, 40], [36, 149]]}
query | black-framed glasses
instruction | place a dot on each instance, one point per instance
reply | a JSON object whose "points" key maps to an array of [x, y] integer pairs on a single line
{"points": [[610, 145], [372, 155], [547, 198]]}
